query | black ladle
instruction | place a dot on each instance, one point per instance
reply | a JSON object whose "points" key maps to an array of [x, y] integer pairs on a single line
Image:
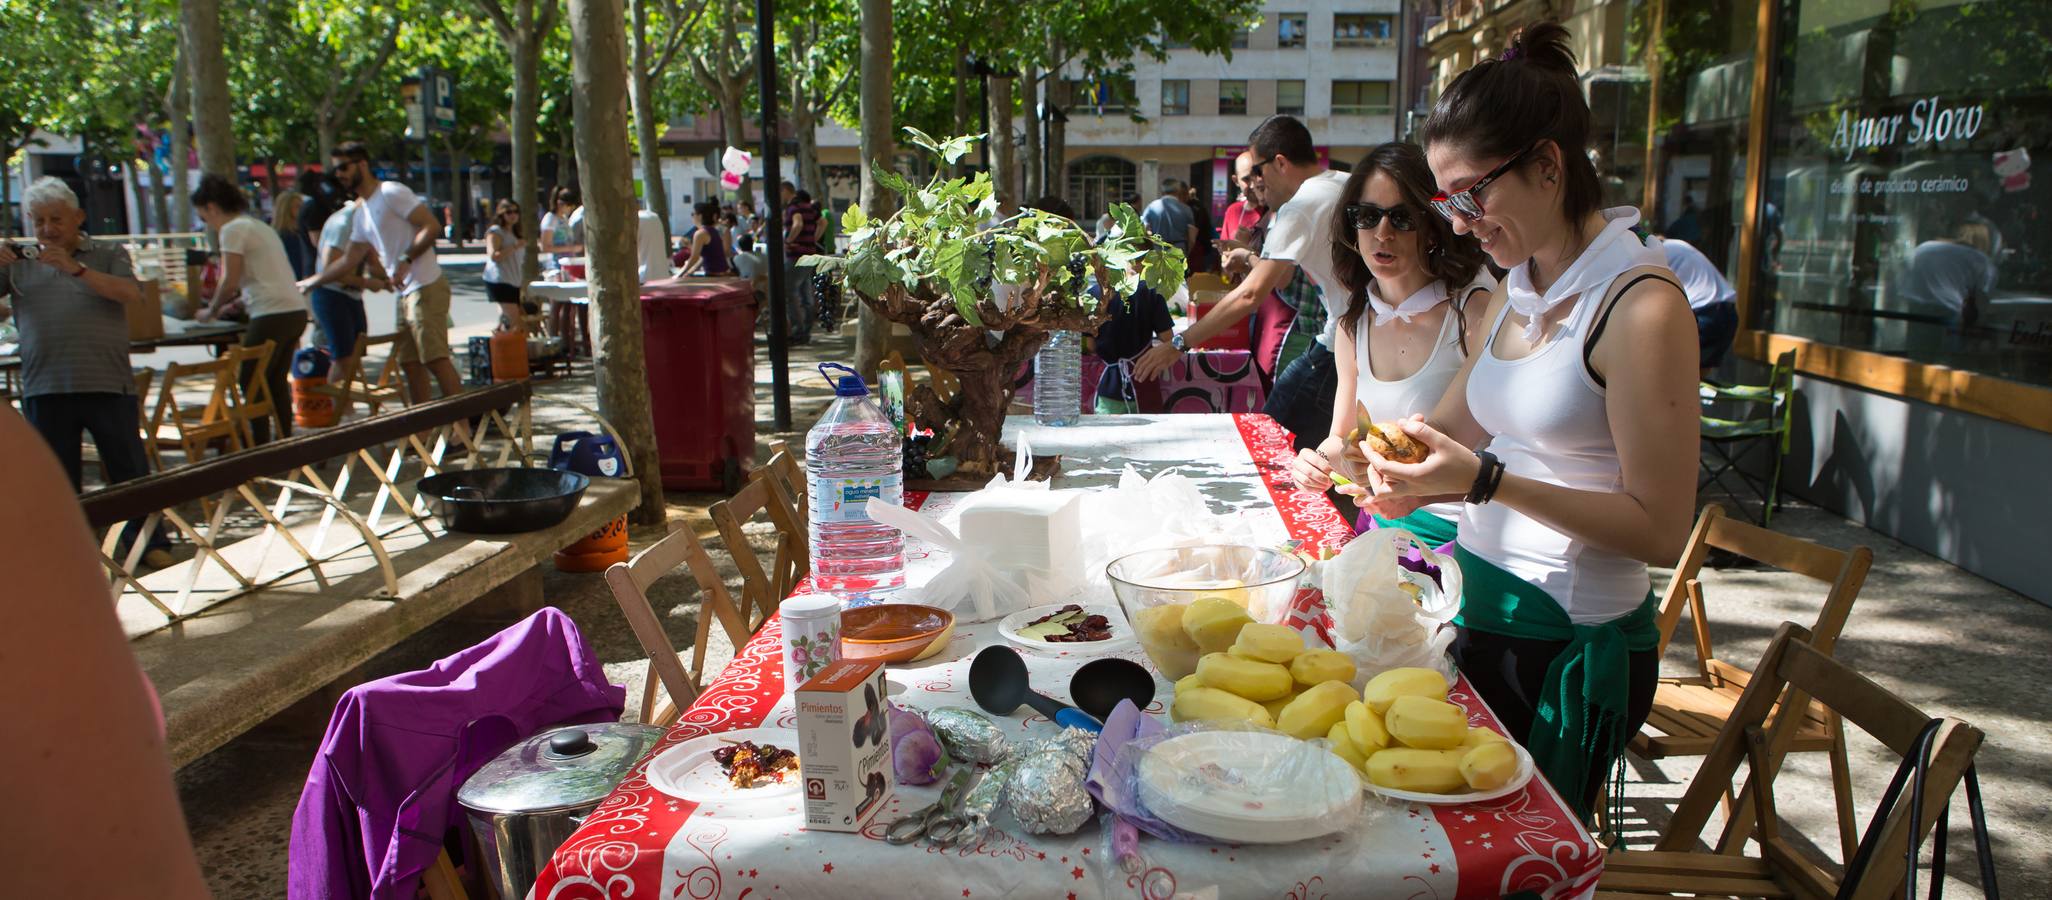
{"points": [[1098, 687], [998, 681]]}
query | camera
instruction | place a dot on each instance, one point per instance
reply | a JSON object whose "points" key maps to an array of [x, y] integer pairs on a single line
{"points": [[26, 251]]}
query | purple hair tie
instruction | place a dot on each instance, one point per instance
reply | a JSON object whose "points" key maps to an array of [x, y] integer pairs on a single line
{"points": [[1509, 53]]}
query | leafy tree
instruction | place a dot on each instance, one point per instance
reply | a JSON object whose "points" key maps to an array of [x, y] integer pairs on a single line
{"points": [[523, 27]]}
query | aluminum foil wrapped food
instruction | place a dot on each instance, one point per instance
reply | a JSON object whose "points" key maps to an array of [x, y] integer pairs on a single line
{"points": [[969, 736], [982, 801], [1046, 793]]}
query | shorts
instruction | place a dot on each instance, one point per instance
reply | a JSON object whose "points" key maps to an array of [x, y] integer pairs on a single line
{"points": [[1716, 325], [341, 319], [424, 324], [510, 293]]}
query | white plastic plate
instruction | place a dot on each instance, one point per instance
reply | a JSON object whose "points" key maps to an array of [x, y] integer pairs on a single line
{"points": [[688, 771], [1121, 633], [1248, 787]]}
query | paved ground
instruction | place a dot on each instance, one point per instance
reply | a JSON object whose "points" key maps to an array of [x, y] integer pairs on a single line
{"points": [[1948, 641]]}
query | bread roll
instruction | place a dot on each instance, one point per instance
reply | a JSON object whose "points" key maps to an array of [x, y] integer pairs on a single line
{"points": [[1393, 444]]}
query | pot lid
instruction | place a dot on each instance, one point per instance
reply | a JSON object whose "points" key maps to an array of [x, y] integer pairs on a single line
{"points": [[562, 768]]}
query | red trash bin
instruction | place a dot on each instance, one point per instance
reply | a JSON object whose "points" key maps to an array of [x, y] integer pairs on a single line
{"points": [[699, 335]]}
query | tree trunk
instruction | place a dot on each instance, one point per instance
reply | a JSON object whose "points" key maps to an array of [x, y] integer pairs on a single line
{"points": [[178, 106], [599, 78], [160, 197], [141, 225], [807, 123], [733, 115], [1029, 78], [459, 199], [648, 124], [201, 21], [566, 157], [872, 330], [324, 136], [526, 53], [1001, 153]]}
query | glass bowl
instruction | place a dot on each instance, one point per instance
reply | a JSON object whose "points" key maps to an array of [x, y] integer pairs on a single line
{"points": [[1155, 587]]}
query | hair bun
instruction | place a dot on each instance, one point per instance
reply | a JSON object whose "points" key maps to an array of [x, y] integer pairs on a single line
{"points": [[1543, 44]]}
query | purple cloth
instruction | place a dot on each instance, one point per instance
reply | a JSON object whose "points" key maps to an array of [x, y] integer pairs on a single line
{"points": [[1112, 780], [382, 792]]}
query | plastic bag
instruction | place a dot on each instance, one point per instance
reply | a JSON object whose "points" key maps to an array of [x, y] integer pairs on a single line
{"points": [[1196, 781], [1143, 513], [971, 587], [1384, 615]]}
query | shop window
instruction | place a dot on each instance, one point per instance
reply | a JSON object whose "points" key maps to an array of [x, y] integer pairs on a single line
{"points": [[1362, 30], [1175, 96], [1902, 215], [1361, 98], [1289, 98], [1097, 182], [1232, 98], [1289, 31]]}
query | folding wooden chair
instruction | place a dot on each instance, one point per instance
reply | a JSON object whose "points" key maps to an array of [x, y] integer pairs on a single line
{"points": [[254, 401], [1768, 426], [388, 388], [1689, 713], [192, 428], [1784, 868], [763, 590], [630, 581], [784, 467]]}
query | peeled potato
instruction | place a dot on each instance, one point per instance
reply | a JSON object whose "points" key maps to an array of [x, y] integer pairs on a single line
{"points": [[1160, 630], [1187, 682], [1212, 704], [1343, 746], [1255, 681], [1426, 724], [1489, 766], [1476, 737], [1268, 643], [1383, 689], [1316, 710], [1213, 623], [1425, 771], [1275, 707], [1314, 667], [1365, 727]]}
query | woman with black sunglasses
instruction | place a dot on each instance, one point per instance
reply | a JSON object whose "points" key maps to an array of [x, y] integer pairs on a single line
{"points": [[1583, 396], [1416, 290]]}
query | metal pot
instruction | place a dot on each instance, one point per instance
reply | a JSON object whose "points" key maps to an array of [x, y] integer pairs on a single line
{"points": [[524, 804], [502, 500]]}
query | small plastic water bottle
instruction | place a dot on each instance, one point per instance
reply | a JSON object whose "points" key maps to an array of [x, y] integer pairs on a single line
{"points": [[1058, 380], [853, 454]]}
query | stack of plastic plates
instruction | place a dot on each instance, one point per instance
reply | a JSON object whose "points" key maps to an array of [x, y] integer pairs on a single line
{"points": [[1249, 787]]}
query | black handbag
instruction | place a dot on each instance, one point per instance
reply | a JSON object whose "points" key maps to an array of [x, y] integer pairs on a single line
{"points": [[1910, 775]]}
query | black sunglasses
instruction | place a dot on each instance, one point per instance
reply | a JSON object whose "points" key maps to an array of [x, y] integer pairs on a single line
{"points": [[1367, 216], [1464, 202], [1256, 171]]}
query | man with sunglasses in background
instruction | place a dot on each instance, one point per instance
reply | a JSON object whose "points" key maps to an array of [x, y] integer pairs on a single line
{"points": [[1299, 236]]}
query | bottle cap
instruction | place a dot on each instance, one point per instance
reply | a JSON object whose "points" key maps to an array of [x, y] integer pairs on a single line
{"points": [[848, 385]]}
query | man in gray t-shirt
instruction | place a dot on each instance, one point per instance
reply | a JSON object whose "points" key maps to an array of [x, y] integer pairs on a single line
{"points": [[70, 302]]}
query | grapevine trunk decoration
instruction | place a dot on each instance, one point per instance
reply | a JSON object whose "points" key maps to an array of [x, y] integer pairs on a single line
{"points": [[983, 297]]}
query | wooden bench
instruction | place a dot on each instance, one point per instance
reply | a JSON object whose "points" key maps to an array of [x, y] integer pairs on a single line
{"points": [[289, 616]]}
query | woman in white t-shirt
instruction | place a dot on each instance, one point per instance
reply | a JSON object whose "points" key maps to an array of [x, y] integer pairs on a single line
{"points": [[254, 264], [505, 259], [1417, 291], [562, 237]]}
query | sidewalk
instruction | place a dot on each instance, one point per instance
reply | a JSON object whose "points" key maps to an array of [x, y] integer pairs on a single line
{"points": [[1943, 639]]}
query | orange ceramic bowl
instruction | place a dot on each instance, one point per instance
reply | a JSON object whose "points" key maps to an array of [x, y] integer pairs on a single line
{"points": [[895, 632]]}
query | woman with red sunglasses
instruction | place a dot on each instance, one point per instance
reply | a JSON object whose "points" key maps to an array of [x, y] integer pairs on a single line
{"points": [[1583, 398], [1416, 291]]}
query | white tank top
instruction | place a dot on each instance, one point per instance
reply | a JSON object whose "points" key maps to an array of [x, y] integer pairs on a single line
{"points": [[1547, 421], [1419, 393]]}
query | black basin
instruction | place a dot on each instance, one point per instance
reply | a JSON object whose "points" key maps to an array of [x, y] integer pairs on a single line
{"points": [[502, 500]]}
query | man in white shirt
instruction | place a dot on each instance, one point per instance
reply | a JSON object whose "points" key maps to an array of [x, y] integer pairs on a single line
{"points": [[652, 245], [401, 229], [1713, 299], [1304, 195]]}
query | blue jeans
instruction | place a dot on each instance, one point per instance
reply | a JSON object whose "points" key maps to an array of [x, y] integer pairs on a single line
{"points": [[114, 423], [1302, 398], [341, 318]]}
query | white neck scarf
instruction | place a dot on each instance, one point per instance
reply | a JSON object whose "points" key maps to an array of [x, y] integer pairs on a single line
{"points": [[1427, 297], [1616, 249]]}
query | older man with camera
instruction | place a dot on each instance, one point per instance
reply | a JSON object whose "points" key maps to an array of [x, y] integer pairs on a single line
{"points": [[69, 295]]}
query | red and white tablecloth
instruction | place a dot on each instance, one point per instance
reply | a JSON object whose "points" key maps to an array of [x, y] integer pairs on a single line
{"points": [[641, 843]]}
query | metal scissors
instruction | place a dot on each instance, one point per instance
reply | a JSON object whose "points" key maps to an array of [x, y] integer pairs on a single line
{"points": [[941, 824]]}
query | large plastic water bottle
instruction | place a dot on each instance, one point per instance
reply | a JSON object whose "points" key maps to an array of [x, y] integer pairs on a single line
{"points": [[1058, 380], [854, 454]]}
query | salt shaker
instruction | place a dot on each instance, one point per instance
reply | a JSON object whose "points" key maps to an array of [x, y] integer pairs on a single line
{"points": [[812, 636]]}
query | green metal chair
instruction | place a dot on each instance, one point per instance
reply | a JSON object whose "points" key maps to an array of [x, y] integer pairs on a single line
{"points": [[1730, 440]]}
